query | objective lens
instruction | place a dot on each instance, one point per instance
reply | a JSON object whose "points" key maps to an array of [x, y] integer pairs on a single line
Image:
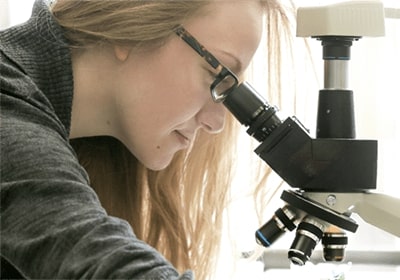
{"points": [[276, 226], [334, 244], [308, 234]]}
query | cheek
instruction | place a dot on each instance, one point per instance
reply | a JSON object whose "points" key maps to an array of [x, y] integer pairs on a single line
{"points": [[161, 92], [178, 95], [168, 83], [147, 115], [154, 101], [149, 125]]}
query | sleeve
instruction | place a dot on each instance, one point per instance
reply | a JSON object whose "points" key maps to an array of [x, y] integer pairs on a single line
{"points": [[52, 224]]}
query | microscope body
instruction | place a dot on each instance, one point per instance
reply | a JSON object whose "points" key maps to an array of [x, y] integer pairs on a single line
{"points": [[334, 174]]}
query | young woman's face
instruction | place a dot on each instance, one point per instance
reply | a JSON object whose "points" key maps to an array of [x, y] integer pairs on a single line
{"points": [[163, 98]]}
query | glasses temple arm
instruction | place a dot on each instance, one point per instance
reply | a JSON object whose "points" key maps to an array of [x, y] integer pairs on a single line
{"points": [[195, 45]]}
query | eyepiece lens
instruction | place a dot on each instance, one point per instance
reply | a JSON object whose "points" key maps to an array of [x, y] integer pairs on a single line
{"points": [[250, 108]]}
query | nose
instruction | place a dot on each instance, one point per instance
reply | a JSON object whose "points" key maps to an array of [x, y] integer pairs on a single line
{"points": [[212, 117]]}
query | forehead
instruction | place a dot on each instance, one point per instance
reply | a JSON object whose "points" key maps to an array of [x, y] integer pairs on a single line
{"points": [[231, 30]]}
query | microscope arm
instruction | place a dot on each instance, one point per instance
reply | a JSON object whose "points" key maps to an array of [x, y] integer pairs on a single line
{"points": [[377, 209]]}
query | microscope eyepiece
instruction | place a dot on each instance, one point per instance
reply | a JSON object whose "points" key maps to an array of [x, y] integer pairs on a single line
{"points": [[308, 234], [249, 107]]}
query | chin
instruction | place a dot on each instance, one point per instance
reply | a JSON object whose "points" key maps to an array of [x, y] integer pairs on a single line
{"points": [[155, 159], [158, 164]]}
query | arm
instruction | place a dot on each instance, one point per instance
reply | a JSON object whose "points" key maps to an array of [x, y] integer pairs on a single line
{"points": [[52, 224]]}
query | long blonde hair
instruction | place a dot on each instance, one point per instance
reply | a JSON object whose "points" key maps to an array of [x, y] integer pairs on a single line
{"points": [[177, 210]]}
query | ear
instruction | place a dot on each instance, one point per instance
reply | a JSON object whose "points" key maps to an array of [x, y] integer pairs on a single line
{"points": [[121, 53]]}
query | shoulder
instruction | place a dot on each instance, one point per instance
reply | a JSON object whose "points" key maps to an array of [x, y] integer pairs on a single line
{"points": [[36, 65], [34, 144], [32, 135], [21, 97]]}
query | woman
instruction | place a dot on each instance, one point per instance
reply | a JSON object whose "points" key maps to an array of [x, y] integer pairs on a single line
{"points": [[106, 96]]}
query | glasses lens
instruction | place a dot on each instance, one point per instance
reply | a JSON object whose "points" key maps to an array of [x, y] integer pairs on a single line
{"points": [[221, 87]]}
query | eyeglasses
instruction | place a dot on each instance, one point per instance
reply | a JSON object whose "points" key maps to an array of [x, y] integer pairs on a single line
{"points": [[225, 80]]}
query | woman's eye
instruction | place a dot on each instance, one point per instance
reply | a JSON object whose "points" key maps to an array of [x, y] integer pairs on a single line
{"points": [[211, 75]]}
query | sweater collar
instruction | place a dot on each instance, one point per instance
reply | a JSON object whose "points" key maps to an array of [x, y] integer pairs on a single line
{"points": [[44, 54]]}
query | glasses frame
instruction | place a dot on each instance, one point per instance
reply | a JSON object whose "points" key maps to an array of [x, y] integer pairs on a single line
{"points": [[223, 71]]}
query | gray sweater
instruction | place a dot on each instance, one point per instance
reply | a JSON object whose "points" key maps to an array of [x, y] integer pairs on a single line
{"points": [[52, 224]]}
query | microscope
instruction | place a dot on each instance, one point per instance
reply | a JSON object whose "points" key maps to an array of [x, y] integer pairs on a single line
{"points": [[334, 174]]}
